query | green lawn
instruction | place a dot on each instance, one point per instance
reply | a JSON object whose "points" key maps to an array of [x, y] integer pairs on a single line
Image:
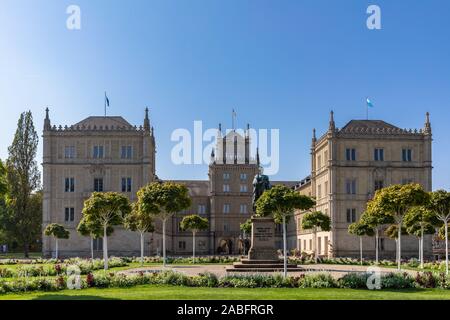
{"points": [[150, 292]]}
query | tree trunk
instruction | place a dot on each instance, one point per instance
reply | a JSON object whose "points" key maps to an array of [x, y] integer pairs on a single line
{"points": [[142, 248], [164, 241], [105, 248], [56, 249], [284, 247], [446, 247], [193, 247], [421, 248], [316, 255], [92, 248], [399, 244], [360, 250], [26, 251], [376, 245]]}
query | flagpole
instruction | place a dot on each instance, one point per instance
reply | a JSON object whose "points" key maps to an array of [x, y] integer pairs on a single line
{"points": [[105, 104]]}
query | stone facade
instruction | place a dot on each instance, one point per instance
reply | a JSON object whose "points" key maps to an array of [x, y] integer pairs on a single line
{"points": [[347, 166], [109, 154]]}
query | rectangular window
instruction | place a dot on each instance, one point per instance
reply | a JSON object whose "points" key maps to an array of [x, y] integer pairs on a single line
{"points": [[243, 208], [98, 244], [226, 208], [407, 155], [381, 244], [126, 152], [310, 244], [243, 188], [69, 152], [319, 162], [226, 188], [351, 215], [226, 176], [98, 152], [304, 245], [182, 245], [201, 209], [379, 184], [407, 181], [325, 157], [69, 214], [126, 184], [319, 191], [69, 185], [350, 154], [319, 244], [243, 176], [226, 227], [326, 190], [378, 154], [350, 186], [98, 185]]}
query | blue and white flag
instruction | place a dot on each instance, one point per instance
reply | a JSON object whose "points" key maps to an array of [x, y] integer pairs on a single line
{"points": [[369, 103]]}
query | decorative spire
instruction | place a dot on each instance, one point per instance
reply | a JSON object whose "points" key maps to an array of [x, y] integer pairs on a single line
{"points": [[332, 126], [314, 139], [427, 123], [146, 121], [47, 124]]}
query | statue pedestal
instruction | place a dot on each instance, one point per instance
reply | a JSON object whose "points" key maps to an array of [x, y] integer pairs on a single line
{"points": [[263, 240], [263, 256]]}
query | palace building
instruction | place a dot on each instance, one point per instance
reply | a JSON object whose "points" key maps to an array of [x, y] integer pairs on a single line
{"points": [[109, 154], [347, 166]]}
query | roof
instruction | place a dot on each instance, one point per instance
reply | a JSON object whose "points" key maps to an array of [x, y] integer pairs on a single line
{"points": [[368, 124], [98, 121]]}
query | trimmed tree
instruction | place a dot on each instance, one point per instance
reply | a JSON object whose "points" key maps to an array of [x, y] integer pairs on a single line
{"points": [[440, 205], [397, 200], [361, 229], [377, 220], [246, 228], [140, 222], [92, 231], [58, 232], [419, 221], [314, 221], [281, 202], [194, 223], [107, 209], [162, 201], [392, 232]]}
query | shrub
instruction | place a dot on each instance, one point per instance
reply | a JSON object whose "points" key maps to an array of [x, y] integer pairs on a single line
{"points": [[397, 281], [319, 280], [354, 281]]}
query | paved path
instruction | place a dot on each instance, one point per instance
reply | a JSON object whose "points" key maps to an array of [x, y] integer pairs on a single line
{"points": [[336, 271]]}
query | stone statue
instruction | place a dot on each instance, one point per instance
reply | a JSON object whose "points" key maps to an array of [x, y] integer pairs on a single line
{"points": [[261, 183]]}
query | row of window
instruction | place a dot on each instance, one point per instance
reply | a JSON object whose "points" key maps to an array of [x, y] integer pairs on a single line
{"points": [[242, 176], [227, 206], [378, 154], [126, 152], [242, 188], [350, 185], [69, 184]]}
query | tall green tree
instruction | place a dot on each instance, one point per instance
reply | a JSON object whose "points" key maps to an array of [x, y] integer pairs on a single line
{"points": [[194, 223], [420, 221], [162, 201], [280, 202], [23, 178], [141, 222], [361, 229], [316, 221], [58, 232], [440, 205], [377, 220], [397, 200], [3, 180], [107, 209]]}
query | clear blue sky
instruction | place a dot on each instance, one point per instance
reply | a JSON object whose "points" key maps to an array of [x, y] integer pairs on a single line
{"points": [[280, 64]]}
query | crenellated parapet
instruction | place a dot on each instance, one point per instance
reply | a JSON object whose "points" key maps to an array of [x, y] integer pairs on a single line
{"points": [[72, 128]]}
